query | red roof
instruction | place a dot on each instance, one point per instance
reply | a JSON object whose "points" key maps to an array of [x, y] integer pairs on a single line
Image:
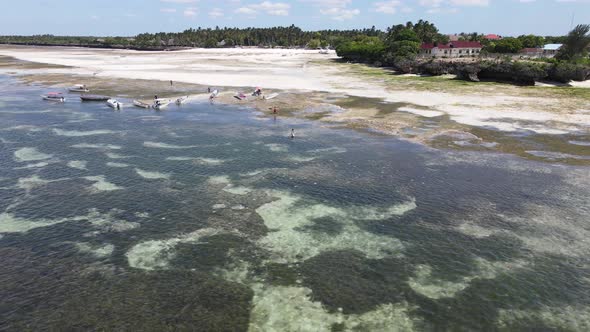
{"points": [[455, 44], [492, 36]]}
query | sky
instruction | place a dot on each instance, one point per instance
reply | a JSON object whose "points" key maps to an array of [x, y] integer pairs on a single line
{"points": [[131, 17]]}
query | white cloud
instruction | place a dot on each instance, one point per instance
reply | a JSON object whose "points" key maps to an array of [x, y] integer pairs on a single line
{"points": [[245, 10], [168, 10], [482, 3], [430, 3], [190, 12], [442, 11], [268, 7], [328, 3], [336, 9], [387, 7], [180, 1], [216, 12], [340, 14]]}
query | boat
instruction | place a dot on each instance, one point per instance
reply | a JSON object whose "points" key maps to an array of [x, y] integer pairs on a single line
{"points": [[79, 88], [181, 100], [257, 92], [324, 51], [160, 104], [141, 104], [94, 97], [114, 103], [271, 96], [240, 96], [54, 96], [214, 94]]}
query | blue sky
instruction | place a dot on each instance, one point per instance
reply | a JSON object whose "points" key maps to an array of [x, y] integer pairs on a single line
{"points": [[130, 17]]}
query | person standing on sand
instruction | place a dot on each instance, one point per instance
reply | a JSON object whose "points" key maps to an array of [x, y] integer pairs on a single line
{"points": [[171, 83], [209, 90]]}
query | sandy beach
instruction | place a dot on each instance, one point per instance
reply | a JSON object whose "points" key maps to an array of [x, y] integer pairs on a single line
{"points": [[309, 79]]}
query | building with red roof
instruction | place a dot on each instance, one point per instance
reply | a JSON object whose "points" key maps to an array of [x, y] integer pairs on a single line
{"points": [[454, 49], [492, 36]]}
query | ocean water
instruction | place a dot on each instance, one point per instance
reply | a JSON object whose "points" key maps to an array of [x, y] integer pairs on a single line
{"points": [[209, 217]]}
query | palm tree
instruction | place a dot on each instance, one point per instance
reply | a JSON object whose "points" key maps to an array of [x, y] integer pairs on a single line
{"points": [[576, 43]]}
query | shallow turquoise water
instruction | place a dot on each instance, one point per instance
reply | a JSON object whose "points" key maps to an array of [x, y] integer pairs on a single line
{"points": [[207, 217]]}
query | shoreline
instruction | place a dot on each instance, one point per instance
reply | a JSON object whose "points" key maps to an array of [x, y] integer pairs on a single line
{"points": [[432, 111]]}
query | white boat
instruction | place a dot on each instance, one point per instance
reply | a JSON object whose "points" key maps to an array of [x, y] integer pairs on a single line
{"points": [[181, 100], [160, 104], [54, 96], [324, 51], [79, 88], [271, 96], [141, 104], [214, 94], [114, 103]]}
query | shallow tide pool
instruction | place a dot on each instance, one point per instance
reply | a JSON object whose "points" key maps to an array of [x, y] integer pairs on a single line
{"points": [[209, 217]]}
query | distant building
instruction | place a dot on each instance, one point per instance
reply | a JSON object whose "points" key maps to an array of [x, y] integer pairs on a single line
{"points": [[550, 50], [455, 49], [492, 36], [532, 52]]}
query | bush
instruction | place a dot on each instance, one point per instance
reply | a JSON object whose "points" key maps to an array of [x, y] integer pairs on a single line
{"points": [[565, 72], [436, 68], [365, 49]]}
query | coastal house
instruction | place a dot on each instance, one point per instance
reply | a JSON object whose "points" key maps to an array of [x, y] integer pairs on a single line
{"points": [[550, 50], [454, 49], [492, 36], [532, 52]]}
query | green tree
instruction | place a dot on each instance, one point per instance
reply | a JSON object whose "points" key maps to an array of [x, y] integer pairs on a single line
{"points": [[531, 41], [313, 44], [507, 45], [576, 44], [403, 43]]}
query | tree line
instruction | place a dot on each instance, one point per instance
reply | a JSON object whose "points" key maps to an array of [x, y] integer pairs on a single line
{"points": [[290, 36]]}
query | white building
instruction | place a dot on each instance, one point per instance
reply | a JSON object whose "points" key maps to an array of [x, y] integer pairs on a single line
{"points": [[454, 49]]}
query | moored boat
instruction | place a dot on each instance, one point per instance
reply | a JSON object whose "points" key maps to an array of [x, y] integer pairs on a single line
{"points": [[94, 97], [181, 100], [79, 88], [141, 104], [271, 96], [114, 103], [214, 94], [54, 96], [160, 104], [240, 96]]}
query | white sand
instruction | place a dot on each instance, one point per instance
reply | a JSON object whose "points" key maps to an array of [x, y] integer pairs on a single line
{"points": [[305, 70]]}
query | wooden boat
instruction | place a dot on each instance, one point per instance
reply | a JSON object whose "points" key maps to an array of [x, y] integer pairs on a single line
{"points": [[114, 103], [79, 88], [141, 104], [54, 96], [94, 97], [181, 100]]}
